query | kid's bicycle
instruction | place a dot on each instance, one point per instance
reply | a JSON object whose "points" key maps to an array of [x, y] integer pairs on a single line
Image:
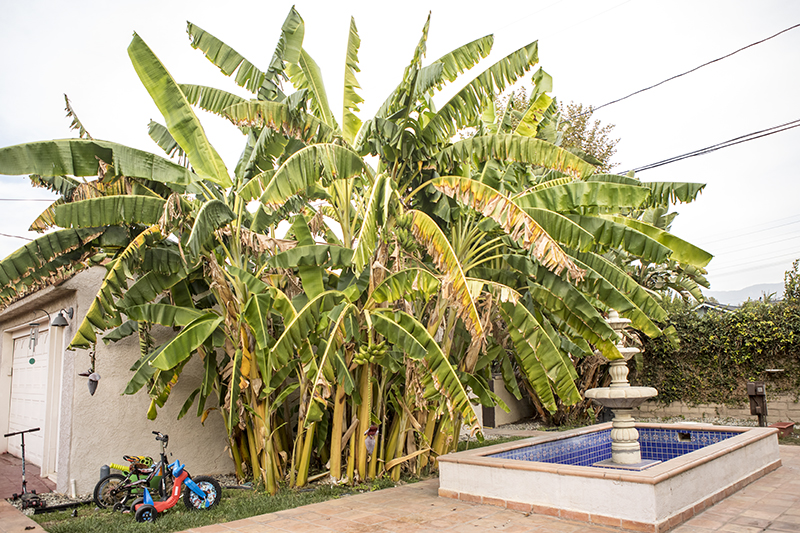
{"points": [[117, 491], [202, 492]]}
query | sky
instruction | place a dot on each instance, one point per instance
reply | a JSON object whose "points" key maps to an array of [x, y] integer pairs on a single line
{"points": [[595, 50]]}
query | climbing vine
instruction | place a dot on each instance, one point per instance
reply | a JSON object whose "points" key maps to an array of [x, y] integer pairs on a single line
{"points": [[720, 352]]}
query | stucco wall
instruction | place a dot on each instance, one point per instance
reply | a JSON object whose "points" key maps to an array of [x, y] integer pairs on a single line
{"points": [[96, 430]]}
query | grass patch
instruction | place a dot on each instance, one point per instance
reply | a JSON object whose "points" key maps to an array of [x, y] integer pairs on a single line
{"points": [[235, 504], [791, 440], [472, 444]]}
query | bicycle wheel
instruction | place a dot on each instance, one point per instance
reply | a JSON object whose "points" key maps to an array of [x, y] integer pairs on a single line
{"points": [[111, 490], [207, 484]]}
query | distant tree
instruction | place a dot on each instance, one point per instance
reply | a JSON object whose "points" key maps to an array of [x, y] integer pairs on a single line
{"points": [[587, 135]]}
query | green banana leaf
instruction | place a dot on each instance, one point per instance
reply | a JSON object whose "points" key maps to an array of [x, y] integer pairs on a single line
{"points": [[282, 119], [682, 251], [612, 234], [506, 147], [306, 75], [110, 211], [210, 99], [181, 121], [367, 239], [350, 98], [164, 314], [580, 194], [187, 341], [212, 216], [78, 157], [461, 110]]}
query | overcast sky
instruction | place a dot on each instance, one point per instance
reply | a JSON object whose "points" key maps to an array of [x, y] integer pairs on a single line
{"points": [[596, 51]]}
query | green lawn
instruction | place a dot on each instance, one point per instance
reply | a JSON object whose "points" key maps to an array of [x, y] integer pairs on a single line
{"points": [[235, 504]]}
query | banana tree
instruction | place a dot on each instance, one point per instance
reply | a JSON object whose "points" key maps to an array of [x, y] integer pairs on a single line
{"points": [[356, 338]]}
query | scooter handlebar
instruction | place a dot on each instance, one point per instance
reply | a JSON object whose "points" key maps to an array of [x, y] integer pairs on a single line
{"points": [[21, 432]]}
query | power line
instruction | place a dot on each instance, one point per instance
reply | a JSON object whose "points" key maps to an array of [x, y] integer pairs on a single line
{"points": [[736, 234], [692, 70], [714, 147], [15, 237], [733, 251], [25, 200]]}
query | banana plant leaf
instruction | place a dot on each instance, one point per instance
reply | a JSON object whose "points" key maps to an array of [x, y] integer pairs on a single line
{"points": [[441, 377], [319, 255], [368, 236], [608, 233], [407, 284], [110, 211], [538, 357], [507, 147], [79, 157], [306, 75], [164, 314], [162, 137], [350, 98], [187, 341], [182, 123], [281, 118], [149, 287], [461, 110], [226, 58], [210, 99], [212, 216], [682, 251], [581, 194], [518, 224], [306, 167]]}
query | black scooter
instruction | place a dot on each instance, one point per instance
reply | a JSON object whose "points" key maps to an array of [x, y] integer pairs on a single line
{"points": [[29, 499]]}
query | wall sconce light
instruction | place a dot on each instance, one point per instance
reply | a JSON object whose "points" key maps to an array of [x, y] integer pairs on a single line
{"points": [[59, 321]]}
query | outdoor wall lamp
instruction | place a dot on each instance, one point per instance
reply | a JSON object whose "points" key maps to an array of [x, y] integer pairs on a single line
{"points": [[59, 321]]}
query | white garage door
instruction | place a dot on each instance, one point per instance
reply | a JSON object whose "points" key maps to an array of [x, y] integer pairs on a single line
{"points": [[29, 396]]}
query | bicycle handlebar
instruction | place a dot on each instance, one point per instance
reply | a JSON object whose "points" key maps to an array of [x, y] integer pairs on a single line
{"points": [[21, 432]]}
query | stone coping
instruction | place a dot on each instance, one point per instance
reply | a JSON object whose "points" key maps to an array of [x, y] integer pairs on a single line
{"points": [[651, 476]]}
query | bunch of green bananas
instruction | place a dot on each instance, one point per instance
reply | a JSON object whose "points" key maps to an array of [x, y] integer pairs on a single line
{"points": [[370, 353]]}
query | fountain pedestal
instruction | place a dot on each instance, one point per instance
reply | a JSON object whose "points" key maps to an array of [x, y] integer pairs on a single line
{"points": [[621, 398]]}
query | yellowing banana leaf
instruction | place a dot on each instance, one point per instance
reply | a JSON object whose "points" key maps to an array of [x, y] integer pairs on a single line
{"points": [[109, 211], [461, 110], [529, 123], [518, 224], [507, 147], [103, 313], [282, 119], [79, 157], [579, 194], [181, 121], [187, 341], [350, 121], [682, 251], [454, 284]]}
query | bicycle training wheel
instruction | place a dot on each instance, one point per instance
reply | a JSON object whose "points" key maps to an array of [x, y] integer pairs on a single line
{"points": [[109, 491], [207, 484]]}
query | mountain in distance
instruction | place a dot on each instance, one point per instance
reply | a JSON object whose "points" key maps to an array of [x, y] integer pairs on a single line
{"points": [[753, 292]]}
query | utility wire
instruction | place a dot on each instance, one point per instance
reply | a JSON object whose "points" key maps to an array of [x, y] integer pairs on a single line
{"points": [[25, 200], [714, 147], [15, 237], [591, 110]]}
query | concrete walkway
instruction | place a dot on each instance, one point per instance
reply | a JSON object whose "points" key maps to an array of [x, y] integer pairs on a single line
{"points": [[11, 477], [770, 504]]}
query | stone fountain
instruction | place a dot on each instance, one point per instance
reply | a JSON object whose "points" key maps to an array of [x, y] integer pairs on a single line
{"points": [[622, 398]]}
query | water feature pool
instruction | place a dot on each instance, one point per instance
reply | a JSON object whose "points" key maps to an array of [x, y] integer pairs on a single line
{"points": [[657, 444], [700, 465]]}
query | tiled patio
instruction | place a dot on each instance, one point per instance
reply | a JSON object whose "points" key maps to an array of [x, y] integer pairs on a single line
{"points": [[770, 504]]}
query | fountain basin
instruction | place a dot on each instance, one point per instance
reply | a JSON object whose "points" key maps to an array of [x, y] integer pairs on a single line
{"points": [[653, 500]]}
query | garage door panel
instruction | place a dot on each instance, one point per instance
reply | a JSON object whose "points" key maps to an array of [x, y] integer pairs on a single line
{"points": [[29, 396]]}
